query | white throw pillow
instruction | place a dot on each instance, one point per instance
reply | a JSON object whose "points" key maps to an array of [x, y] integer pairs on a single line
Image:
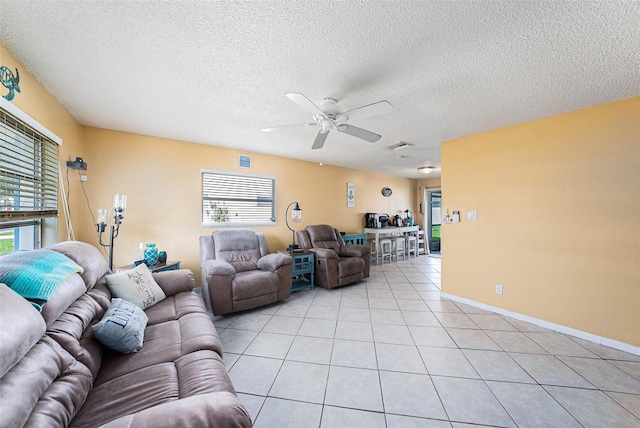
{"points": [[136, 286]]}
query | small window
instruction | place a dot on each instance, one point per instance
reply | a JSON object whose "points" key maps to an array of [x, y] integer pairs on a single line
{"points": [[233, 199], [28, 182]]}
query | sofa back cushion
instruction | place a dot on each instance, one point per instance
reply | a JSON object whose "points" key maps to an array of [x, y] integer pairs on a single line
{"points": [[21, 326], [47, 375], [50, 360], [324, 236], [240, 248], [87, 256]]}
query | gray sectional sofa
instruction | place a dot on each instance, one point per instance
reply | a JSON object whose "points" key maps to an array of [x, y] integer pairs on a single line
{"points": [[54, 373]]}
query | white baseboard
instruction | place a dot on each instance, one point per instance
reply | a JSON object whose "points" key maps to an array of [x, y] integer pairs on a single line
{"points": [[626, 347]]}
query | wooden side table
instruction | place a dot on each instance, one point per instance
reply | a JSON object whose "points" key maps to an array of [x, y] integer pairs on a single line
{"points": [[303, 264], [355, 239], [160, 267]]}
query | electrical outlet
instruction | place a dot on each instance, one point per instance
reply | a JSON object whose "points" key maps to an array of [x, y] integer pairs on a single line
{"points": [[498, 289], [83, 177]]}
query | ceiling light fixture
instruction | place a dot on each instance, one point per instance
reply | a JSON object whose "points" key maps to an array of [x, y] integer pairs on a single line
{"points": [[426, 169], [400, 146]]}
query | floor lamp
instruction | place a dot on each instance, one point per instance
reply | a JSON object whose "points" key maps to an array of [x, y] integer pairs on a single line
{"points": [[296, 216], [119, 206]]}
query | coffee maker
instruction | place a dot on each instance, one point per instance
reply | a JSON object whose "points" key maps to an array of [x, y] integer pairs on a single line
{"points": [[370, 219]]}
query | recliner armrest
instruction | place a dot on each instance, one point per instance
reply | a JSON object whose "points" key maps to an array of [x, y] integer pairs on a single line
{"points": [[325, 253], [274, 261], [354, 250], [173, 282], [217, 267]]}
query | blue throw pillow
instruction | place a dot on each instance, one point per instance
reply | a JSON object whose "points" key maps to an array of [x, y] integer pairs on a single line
{"points": [[122, 327]]}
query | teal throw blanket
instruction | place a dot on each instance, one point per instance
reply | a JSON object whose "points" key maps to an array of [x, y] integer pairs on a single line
{"points": [[36, 274]]}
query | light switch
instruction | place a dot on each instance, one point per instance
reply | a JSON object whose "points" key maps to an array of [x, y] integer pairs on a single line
{"points": [[472, 215]]}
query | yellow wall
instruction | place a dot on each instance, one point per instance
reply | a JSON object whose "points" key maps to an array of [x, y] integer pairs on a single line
{"points": [[38, 103], [558, 204], [162, 180]]}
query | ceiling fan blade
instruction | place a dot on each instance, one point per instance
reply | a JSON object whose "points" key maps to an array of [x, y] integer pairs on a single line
{"points": [[381, 107], [297, 125], [305, 103], [359, 133], [320, 139]]}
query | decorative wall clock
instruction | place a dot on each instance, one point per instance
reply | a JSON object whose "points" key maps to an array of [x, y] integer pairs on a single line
{"points": [[386, 192]]}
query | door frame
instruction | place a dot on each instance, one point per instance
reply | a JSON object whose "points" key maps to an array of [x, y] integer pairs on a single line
{"points": [[427, 198]]}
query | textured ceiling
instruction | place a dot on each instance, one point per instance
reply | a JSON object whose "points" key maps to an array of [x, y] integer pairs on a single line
{"points": [[216, 72]]}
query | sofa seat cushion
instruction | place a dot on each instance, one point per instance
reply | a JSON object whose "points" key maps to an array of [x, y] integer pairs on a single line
{"points": [[173, 307], [163, 343], [348, 266], [198, 373], [249, 284]]}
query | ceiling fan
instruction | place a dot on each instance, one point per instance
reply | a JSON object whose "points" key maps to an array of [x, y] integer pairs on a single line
{"points": [[329, 116]]}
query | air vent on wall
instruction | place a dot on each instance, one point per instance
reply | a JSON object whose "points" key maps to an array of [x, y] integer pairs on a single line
{"points": [[400, 146]]}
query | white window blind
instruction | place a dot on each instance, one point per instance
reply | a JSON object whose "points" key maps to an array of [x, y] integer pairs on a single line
{"points": [[231, 199], [28, 173]]}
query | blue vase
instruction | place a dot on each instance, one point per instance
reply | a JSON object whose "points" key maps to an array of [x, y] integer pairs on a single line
{"points": [[151, 254]]}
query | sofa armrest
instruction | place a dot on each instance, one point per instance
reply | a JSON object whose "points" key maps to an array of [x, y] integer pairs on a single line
{"points": [[217, 267], [274, 261], [354, 250], [173, 282], [325, 253], [214, 410]]}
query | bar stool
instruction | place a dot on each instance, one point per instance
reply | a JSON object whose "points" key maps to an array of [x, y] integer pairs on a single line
{"points": [[412, 245], [386, 248], [373, 251], [399, 247], [421, 243]]}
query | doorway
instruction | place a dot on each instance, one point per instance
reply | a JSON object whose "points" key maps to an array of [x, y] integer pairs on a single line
{"points": [[433, 220]]}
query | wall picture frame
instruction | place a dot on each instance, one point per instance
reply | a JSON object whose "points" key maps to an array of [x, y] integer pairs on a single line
{"points": [[351, 195], [244, 161]]}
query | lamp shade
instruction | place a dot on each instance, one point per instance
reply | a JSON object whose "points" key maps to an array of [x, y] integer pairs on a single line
{"points": [[103, 215], [119, 202], [296, 213]]}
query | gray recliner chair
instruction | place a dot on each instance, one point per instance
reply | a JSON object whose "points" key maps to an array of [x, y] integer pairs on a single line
{"points": [[239, 273], [336, 264]]}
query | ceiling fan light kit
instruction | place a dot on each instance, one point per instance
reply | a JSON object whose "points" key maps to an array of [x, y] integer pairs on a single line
{"points": [[331, 117], [426, 169], [400, 146]]}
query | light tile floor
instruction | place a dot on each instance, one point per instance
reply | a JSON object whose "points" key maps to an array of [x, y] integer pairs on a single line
{"points": [[390, 352]]}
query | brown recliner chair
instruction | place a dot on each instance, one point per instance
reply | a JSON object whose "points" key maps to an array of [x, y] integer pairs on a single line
{"points": [[239, 273], [336, 264]]}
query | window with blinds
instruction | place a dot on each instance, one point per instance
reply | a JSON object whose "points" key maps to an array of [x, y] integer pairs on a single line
{"points": [[28, 174], [232, 199]]}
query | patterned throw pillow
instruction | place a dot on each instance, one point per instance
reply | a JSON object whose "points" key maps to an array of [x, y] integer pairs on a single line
{"points": [[122, 327], [136, 286]]}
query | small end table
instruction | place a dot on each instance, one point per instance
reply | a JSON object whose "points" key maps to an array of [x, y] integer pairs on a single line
{"points": [[160, 267], [302, 265]]}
